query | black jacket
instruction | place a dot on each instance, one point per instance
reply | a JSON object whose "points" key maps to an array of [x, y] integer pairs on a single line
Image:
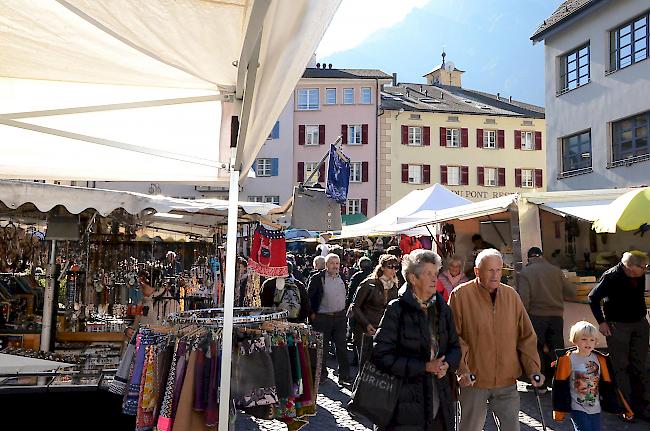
{"points": [[402, 347], [315, 289], [268, 293], [623, 301], [355, 281]]}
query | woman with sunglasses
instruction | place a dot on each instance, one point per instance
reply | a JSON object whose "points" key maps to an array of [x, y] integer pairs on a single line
{"points": [[369, 303]]}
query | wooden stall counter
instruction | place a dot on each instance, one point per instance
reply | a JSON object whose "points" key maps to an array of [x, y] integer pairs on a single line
{"points": [[89, 337], [25, 339]]}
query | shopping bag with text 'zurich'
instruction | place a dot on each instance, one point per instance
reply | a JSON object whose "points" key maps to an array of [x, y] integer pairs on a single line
{"points": [[374, 395]]}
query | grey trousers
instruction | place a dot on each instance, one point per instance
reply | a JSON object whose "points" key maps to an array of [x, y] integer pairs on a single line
{"points": [[504, 402]]}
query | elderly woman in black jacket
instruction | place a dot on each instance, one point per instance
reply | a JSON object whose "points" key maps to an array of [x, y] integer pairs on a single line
{"points": [[417, 342]]}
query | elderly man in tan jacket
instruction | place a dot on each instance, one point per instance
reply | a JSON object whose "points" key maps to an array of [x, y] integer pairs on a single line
{"points": [[497, 340]]}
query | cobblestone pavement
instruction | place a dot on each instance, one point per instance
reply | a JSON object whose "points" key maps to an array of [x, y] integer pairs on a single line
{"points": [[332, 413]]}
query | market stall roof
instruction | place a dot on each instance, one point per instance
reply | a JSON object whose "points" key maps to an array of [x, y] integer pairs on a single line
{"points": [[630, 211], [146, 90]]}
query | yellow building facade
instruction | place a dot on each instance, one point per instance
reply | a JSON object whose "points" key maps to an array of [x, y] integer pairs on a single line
{"points": [[480, 146]]}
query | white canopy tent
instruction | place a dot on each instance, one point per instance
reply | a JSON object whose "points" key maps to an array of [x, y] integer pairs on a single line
{"points": [[390, 221], [155, 90]]}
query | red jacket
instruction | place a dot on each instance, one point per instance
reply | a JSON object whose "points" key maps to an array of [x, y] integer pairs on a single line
{"points": [[407, 244]]}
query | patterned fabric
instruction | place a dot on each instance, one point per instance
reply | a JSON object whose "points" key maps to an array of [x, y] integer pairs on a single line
{"points": [[183, 353], [268, 256], [118, 385], [255, 384], [130, 406], [165, 418], [253, 294], [147, 401], [212, 410]]}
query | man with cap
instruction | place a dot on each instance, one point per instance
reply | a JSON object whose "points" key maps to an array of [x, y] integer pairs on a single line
{"points": [[543, 287]]}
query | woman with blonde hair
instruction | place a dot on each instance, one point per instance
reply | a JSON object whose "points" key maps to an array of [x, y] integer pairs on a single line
{"points": [[370, 301]]}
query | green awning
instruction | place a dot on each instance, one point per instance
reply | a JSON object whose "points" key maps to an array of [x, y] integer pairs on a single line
{"points": [[350, 219]]}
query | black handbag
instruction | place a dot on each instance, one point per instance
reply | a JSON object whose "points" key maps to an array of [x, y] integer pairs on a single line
{"points": [[374, 395]]}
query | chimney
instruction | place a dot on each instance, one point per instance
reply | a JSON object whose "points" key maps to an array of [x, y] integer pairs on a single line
{"points": [[317, 65], [426, 92], [329, 66], [394, 79], [498, 96], [510, 99], [442, 95]]}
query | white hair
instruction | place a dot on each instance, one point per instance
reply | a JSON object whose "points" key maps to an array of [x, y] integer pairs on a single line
{"points": [[414, 262], [318, 260], [487, 253], [634, 258], [331, 256]]}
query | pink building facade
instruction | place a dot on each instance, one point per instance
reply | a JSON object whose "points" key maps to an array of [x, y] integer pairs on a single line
{"points": [[329, 103]]}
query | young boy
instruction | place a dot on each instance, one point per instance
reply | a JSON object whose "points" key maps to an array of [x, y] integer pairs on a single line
{"points": [[583, 383]]}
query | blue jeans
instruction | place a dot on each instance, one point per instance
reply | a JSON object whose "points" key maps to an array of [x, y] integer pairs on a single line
{"points": [[585, 422]]}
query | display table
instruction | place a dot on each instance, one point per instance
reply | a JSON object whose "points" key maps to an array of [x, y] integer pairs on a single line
{"points": [[89, 337], [21, 338]]}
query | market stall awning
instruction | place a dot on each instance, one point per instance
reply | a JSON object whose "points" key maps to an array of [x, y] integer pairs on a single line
{"points": [[630, 211], [585, 210], [146, 90]]}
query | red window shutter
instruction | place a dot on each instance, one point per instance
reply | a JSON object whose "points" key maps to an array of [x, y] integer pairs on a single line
{"points": [[443, 136], [463, 137], [426, 174], [301, 172], [480, 179], [502, 177], [517, 177], [344, 208], [538, 140], [344, 133], [538, 178], [517, 139], [321, 173], [443, 174], [426, 135], [364, 134], [364, 207], [479, 138], [501, 139], [321, 134], [301, 135], [405, 135], [464, 175], [364, 172], [405, 173]]}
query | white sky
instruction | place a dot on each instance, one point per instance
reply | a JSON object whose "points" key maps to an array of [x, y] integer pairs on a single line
{"points": [[357, 20]]}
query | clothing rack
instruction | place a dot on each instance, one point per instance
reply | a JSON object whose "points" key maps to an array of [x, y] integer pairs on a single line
{"points": [[215, 316]]}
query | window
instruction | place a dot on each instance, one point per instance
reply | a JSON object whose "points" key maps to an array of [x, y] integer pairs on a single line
{"points": [[574, 69], [527, 140], [309, 168], [528, 178], [414, 116], [311, 135], [272, 199], [355, 172], [354, 206], [330, 96], [630, 137], [308, 99], [366, 95], [628, 43], [489, 138], [255, 199], [263, 168], [415, 174], [348, 96], [490, 177], [275, 133], [453, 175], [354, 134], [415, 136], [453, 137], [576, 152]]}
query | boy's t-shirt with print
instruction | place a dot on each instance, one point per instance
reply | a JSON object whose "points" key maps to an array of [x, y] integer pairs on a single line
{"points": [[585, 375]]}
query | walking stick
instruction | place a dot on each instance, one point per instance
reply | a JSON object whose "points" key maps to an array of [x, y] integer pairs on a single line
{"points": [[537, 379]]}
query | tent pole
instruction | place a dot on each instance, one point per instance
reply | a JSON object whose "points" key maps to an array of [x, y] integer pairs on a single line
{"points": [[47, 300], [229, 300]]}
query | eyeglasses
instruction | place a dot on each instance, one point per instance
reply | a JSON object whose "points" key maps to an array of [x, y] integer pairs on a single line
{"points": [[391, 266]]}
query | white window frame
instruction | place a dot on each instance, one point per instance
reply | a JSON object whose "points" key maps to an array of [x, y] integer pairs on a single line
{"points": [[527, 144], [308, 99], [491, 177], [456, 176], [264, 167], [353, 206], [311, 136], [309, 168], [453, 138], [415, 174], [528, 178], [355, 134], [258, 199], [415, 136], [490, 139], [366, 95], [328, 92], [275, 199], [346, 96], [356, 172]]}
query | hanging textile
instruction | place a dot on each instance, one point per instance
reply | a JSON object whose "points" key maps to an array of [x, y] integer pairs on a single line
{"points": [[338, 176], [268, 255]]}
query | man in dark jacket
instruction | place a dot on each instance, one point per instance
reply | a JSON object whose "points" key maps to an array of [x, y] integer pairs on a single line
{"points": [[270, 297], [622, 319], [365, 265], [327, 296]]}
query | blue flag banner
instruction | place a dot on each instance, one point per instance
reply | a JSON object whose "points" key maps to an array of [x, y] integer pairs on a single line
{"points": [[338, 175]]}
